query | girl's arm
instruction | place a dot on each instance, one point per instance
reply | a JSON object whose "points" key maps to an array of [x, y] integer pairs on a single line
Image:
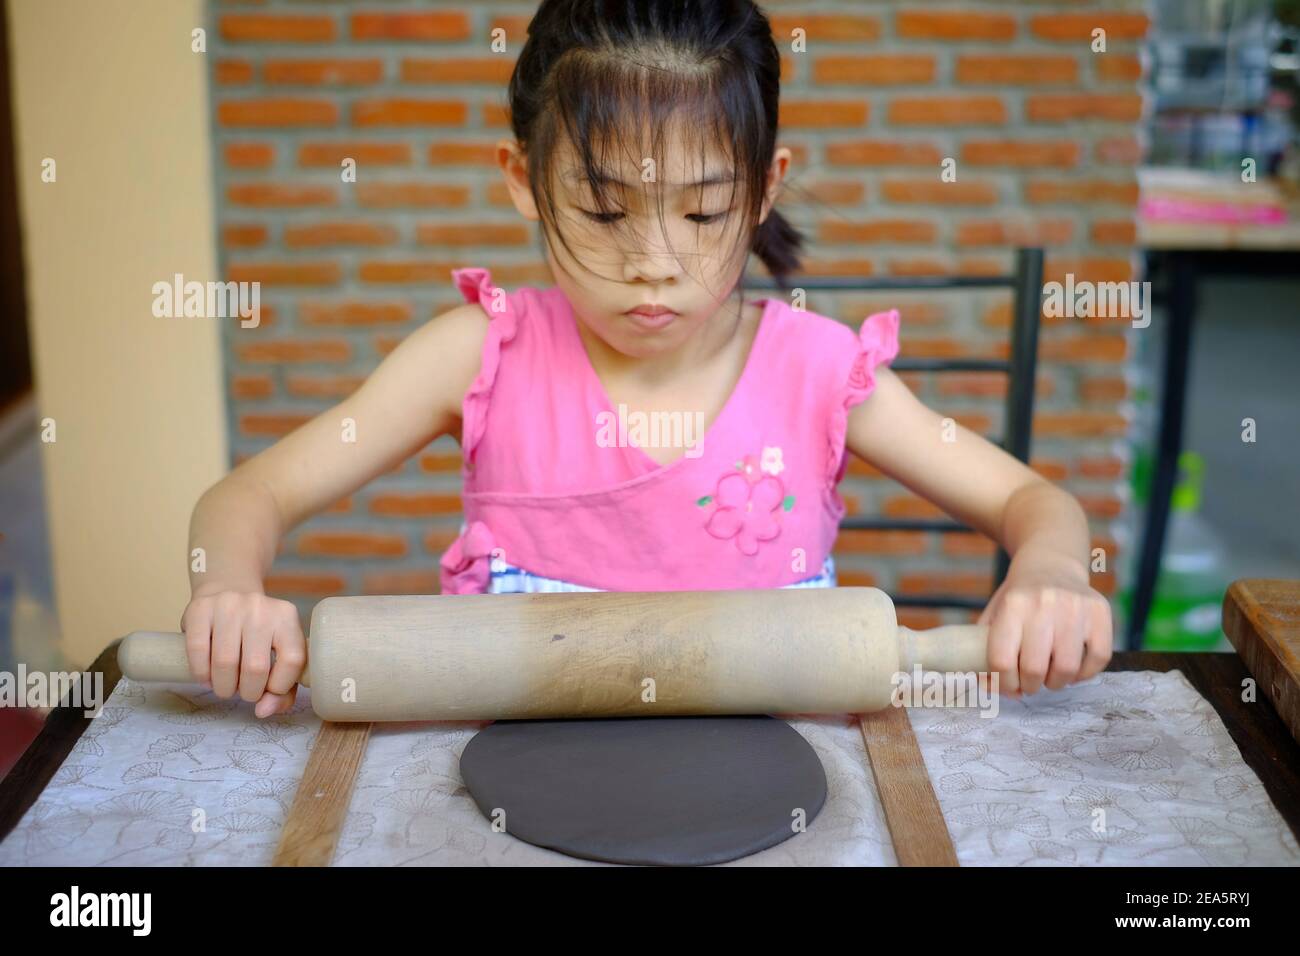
{"points": [[411, 398], [1047, 626]]}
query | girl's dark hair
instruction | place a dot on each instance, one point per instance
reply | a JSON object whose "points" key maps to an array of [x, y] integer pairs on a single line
{"points": [[603, 72]]}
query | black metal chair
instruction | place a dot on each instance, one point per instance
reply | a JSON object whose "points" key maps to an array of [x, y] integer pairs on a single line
{"points": [[1026, 283]]}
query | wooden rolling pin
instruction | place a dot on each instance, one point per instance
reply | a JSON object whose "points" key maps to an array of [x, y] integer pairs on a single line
{"points": [[601, 654]]}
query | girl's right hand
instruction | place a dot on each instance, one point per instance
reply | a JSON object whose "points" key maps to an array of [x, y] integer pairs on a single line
{"points": [[229, 637]]}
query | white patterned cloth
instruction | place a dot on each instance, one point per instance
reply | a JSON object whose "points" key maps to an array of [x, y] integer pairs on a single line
{"points": [[508, 579], [1127, 769]]}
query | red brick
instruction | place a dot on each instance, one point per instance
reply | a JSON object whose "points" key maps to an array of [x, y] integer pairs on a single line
{"points": [[438, 463], [946, 111], [352, 544], [881, 542], [918, 619], [1014, 232], [1117, 67], [294, 350], [812, 114], [1089, 268], [969, 583], [306, 585], [1101, 466], [918, 267], [459, 153], [837, 192], [323, 72], [410, 26], [422, 505], [1114, 232], [401, 582], [364, 153], [1017, 69], [473, 234], [875, 70], [249, 155], [286, 273], [246, 236], [961, 544], [405, 271], [863, 152], [353, 313], [262, 27], [964, 25], [394, 195], [1118, 150], [880, 230], [1069, 107], [1112, 388], [1079, 424], [272, 195], [338, 234], [1086, 191], [1078, 27], [1085, 348], [408, 112], [233, 72], [277, 111], [460, 69], [1062, 154], [820, 27], [251, 386]]}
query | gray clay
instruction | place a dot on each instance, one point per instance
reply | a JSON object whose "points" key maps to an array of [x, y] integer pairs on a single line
{"points": [[646, 790]]}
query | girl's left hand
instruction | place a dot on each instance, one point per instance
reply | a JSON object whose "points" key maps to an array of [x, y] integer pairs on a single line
{"points": [[1047, 627]]}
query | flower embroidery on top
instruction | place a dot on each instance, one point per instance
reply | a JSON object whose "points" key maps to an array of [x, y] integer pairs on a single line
{"points": [[749, 502]]}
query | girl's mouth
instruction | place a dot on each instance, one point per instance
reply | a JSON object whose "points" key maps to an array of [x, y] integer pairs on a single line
{"points": [[652, 316]]}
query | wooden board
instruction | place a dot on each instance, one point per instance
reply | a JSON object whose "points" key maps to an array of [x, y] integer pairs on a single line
{"points": [[315, 821], [1261, 617], [916, 823]]}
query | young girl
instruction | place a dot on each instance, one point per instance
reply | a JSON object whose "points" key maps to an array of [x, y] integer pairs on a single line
{"points": [[644, 145]]}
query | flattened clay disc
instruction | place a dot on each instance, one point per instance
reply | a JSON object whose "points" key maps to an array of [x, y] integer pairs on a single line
{"points": [[646, 790]]}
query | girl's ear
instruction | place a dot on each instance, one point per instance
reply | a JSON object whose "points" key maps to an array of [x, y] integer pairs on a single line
{"points": [[514, 167], [775, 174]]}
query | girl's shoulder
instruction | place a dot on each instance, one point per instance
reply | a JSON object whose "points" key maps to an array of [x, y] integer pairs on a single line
{"points": [[824, 341]]}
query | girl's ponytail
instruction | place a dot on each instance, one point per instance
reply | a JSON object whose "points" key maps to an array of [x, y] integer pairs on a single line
{"points": [[778, 244]]}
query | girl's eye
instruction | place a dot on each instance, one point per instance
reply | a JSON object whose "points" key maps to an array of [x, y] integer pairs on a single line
{"points": [[607, 218], [604, 218]]}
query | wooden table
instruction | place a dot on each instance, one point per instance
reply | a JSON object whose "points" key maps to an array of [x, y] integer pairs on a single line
{"points": [[1264, 741]]}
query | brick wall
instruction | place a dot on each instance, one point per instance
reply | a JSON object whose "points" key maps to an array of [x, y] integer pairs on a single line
{"points": [[1044, 132]]}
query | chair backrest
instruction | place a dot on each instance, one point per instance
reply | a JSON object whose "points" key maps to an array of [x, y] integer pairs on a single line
{"points": [[1026, 285]]}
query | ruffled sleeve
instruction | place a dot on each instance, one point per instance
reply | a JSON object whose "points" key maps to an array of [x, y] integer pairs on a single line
{"points": [[877, 345], [476, 286]]}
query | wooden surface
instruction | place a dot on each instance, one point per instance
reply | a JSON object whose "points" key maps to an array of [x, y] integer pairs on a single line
{"points": [[315, 821], [916, 825], [1262, 737], [1157, 184], [1261, 617]]}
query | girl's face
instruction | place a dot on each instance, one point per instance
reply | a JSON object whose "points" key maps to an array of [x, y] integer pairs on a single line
{"points": [[685, 259]]}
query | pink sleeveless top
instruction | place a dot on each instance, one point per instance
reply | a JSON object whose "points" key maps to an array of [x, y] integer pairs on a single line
{"points": [[553, 485]]}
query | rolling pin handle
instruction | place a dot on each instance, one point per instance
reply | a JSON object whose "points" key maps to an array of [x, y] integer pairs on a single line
{"points": [[160, 656], [956, 648]]}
